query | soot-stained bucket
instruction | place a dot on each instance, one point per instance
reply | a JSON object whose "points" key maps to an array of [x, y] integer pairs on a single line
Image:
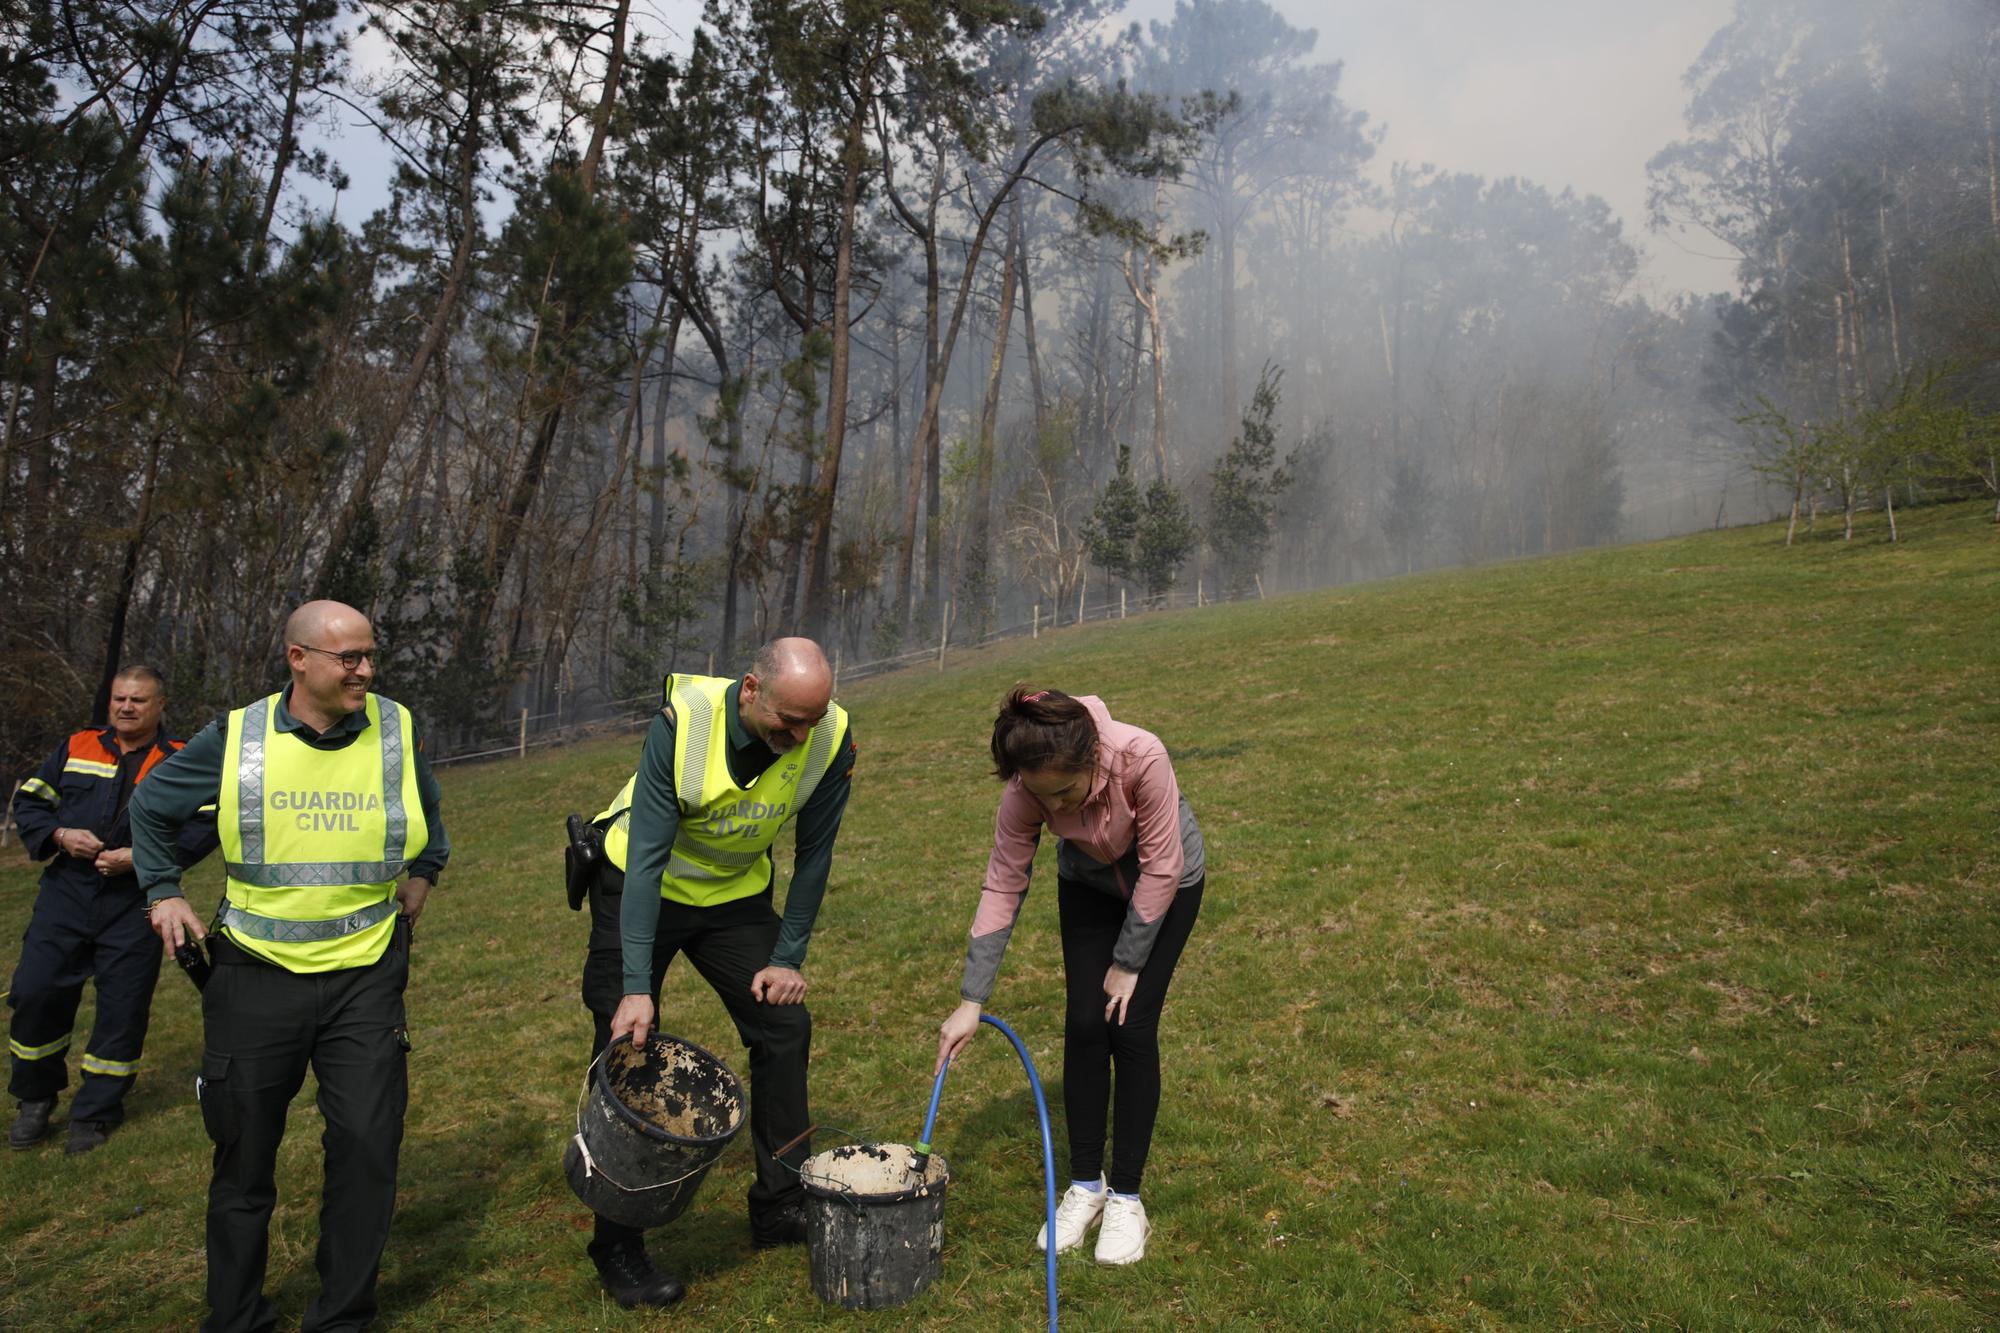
{"points": [[652, 1121], [874, 1224]]}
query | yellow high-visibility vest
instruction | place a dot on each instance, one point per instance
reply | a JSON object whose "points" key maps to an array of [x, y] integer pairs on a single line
{"points": [[722, 850], [315, 840]]}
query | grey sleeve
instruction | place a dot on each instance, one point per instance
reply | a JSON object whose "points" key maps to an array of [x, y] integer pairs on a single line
{"points": [[982, 964], [1136, 936]]}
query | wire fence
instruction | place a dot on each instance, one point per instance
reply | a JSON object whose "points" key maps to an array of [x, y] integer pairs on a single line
{"points": [[532, 731], [529, 731]]}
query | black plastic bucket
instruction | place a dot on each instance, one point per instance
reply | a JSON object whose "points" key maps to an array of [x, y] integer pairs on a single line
{"points": [[875, 1225], [651, 1123]]}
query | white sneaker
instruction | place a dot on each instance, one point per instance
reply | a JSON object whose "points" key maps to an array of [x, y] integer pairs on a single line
{"points": [[1123, 1239], [1077, 1212]]}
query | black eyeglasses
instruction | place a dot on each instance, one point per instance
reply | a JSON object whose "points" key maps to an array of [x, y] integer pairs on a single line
{"points": [[350, 660]]}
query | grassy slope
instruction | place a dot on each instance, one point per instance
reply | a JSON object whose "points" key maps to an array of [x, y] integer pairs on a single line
{"points": [[1601, 941]]}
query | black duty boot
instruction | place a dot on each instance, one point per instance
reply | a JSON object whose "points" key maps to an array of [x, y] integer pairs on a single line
{"points": [[631, 1280], [86, 1135], [784, 1224], [32, 1125]]}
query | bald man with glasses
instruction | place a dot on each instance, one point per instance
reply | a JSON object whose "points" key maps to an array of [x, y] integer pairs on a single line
{"points": [[332, 834]]}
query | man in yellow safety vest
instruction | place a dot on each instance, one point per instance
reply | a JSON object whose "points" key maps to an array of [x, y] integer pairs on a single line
{"points": [[726, 765], [324, 802]]}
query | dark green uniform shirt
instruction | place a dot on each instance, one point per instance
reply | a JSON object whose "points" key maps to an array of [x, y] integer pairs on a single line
{"points": [[656, 817]]}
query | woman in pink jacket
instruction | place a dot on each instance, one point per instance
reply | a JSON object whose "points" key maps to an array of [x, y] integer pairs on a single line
{"points": [[1129, 874]]}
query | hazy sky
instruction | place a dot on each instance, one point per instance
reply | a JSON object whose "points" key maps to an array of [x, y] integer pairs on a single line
{"points": [[1575, 93]]}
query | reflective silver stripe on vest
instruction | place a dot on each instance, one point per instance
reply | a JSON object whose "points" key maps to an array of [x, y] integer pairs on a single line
{"points": [[818, 758], [253, 870], [276, 931], [690, 781], [680, 868], [313, 874], [719, 855], [250, 780], [397, 834]]}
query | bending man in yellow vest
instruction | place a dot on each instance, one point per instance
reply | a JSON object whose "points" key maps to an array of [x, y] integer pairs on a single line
{"points": [[726, 765], [323, 802]]}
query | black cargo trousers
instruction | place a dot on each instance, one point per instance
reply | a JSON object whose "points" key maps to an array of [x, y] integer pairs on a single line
{"points": [[262, 1026], [728, 944]]}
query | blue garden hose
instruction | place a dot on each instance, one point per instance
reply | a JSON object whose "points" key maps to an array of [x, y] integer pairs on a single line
{"points": [[1048, 1147]]}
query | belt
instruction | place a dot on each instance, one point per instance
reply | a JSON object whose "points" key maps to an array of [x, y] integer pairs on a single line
{"points": [[225, 952]]}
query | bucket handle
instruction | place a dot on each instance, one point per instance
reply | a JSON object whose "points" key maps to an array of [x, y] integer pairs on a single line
{"points": [[796, 1140], [591, 1168], [841, 1190], [583, 1095]]}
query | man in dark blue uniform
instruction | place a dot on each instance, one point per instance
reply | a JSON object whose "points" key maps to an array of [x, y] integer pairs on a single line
{"points": [[89, 922]]}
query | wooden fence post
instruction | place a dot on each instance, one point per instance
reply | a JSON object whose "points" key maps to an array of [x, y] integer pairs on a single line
{"points": [[1036, 633], [1121, 603], [524, 733]]}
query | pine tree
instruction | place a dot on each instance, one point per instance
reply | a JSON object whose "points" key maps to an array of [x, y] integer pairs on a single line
{"points": [[1243, 489], [1164, 538], [1113, 525]]}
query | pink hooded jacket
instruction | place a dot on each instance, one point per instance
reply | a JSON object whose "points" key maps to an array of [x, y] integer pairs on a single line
{"points": [[1135, 806]]}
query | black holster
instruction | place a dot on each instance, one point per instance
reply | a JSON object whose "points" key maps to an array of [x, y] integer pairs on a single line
{"points": [[581, 856]]}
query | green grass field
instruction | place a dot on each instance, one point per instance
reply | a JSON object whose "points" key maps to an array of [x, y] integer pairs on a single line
{"points": [[1604, 941]]}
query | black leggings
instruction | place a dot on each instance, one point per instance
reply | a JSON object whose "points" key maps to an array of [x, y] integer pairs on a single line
{"points": [[1090, 924]]}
